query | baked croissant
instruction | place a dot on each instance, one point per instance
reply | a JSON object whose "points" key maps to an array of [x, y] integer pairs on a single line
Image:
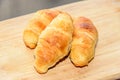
{"points": [[54, 43], [84, 40], [36, 25]]}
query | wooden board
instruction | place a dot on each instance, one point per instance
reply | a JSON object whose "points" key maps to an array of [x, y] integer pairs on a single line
{"points": [[16, 60]]}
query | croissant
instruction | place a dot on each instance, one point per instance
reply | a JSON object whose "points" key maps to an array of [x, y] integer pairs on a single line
{"points": [[85, 37], [54, 43], [36, 25]]}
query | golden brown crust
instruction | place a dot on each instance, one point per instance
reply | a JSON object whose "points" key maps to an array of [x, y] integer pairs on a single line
{"points": [[54, 43], [36, 25], [84, 40], [52, 31]]}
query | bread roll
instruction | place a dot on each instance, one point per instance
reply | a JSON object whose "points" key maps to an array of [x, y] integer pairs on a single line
{"points": [[36, 25], [84, 40], [54, 43]]}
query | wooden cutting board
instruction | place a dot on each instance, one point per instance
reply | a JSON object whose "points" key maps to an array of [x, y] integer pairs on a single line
{"points": [[16, 60]]}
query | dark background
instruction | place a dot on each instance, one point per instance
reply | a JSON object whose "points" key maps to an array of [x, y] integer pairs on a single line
{"points": [[14, 8]]}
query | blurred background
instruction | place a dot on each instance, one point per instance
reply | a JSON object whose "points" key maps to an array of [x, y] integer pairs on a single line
{"points": [[14, 8]]}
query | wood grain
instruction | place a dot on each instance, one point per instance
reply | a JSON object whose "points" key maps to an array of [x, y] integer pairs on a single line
{"points": [[16, 60]]}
